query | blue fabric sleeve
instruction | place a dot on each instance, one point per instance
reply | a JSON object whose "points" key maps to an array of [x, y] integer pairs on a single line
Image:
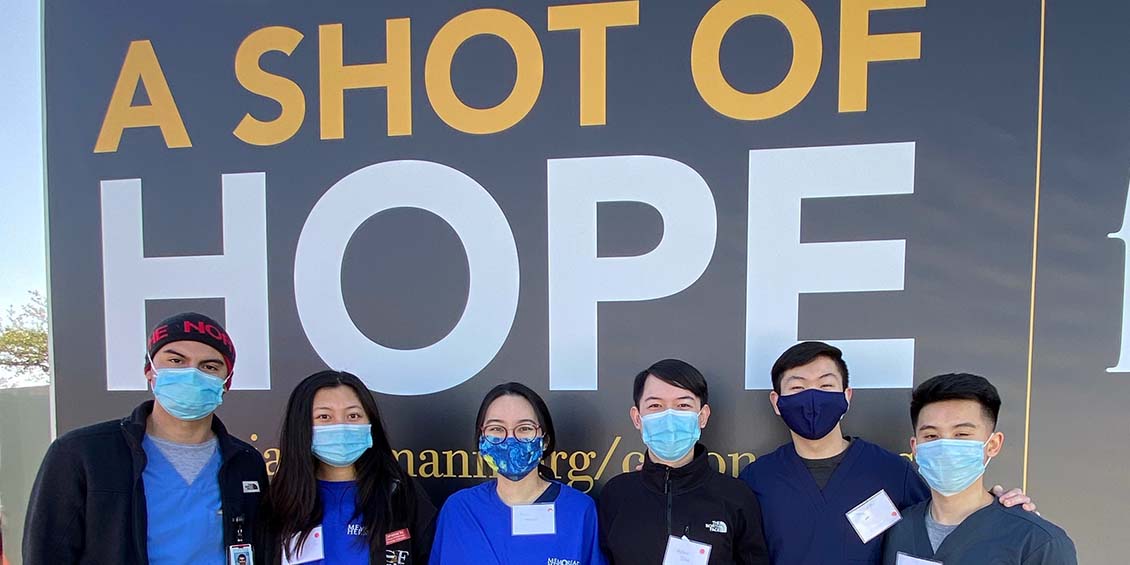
{"points": [[1059, 550], [459, 538], [915, 489]]}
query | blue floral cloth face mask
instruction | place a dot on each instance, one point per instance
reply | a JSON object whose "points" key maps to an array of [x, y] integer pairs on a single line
{"points": [[187, 393], [950, 466], [512, 458], [670, 434], [340, 445]]}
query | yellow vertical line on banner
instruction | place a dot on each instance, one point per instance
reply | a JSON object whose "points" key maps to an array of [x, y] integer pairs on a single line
{"points": [[1035, 247]]}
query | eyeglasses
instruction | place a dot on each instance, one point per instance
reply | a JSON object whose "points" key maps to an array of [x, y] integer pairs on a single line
{"points": [[525, 433]]}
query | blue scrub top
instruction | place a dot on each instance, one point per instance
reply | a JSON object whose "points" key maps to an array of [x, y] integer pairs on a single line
{"points": [[475, 529], [186, 526], [804, 524]]}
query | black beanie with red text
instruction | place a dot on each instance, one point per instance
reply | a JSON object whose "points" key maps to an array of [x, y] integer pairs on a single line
{"points": [[192, 326]]}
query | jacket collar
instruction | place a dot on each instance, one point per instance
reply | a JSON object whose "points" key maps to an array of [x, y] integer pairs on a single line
{"points": [[134, 428], [658, 476]]}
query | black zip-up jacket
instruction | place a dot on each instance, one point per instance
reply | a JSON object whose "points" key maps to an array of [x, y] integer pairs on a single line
{"points": [[88, 502], [640, 510]]}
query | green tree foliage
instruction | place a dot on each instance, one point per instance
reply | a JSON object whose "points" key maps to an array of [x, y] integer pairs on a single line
{"points": [[23, 340]]}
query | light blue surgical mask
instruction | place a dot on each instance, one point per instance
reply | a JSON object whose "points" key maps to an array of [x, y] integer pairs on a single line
{"points": [[340, 445], [950, 466], [670, 434], [187, 393]]}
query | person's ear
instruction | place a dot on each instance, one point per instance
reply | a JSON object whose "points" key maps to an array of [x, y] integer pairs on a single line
{"points": [[703, 416], [150, 376], [995, 444], [914, 447], [773, 397], [848, 392], [634, 413]]}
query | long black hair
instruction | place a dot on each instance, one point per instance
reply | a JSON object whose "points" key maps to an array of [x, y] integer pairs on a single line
{"points": [[545, 422], [385, 494]]}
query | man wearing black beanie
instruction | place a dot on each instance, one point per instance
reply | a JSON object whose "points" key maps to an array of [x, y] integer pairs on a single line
{"points": [[165, 485]]}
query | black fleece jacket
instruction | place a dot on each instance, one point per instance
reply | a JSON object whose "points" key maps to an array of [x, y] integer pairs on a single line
{"points": [[640, 510], [88, 502]]}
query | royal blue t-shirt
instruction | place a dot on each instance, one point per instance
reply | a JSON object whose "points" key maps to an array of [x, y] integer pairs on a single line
{"points": [[345, 539], [475, 529]]}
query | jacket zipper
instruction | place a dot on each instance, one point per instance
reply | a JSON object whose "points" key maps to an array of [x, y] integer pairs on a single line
{"points": [[670, 495]]}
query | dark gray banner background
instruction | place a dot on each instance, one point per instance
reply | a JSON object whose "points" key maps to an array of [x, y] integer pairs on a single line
{"points": [[970, 104]]}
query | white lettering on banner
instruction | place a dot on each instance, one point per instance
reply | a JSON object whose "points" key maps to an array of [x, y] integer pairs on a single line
{"points": [[780, 267], [1123, 365], [492, 258], [579, 280], [238, 275]]}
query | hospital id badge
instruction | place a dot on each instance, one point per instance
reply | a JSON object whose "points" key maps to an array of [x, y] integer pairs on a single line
{"points": [[533, 519], [682, 551], [240, 554], [904, 559], [874, 516]]}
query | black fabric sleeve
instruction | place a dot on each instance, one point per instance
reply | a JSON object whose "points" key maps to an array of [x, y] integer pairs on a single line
{"points": [[605, 510], [54, 529], [749, 543]]}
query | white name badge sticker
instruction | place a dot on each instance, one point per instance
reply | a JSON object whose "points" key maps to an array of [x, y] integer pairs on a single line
{"points": [[533, 519], [682, 551], [312, 550], [904, 559], [874, 516]]}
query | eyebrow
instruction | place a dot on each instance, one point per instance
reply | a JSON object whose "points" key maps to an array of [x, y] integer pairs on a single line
{"points": [[522, 421], [798, 377], [324, 407], [183, 356], [925, 427], [684, 397]]}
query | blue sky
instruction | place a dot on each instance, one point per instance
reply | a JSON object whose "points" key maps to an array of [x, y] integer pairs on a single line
{"points": [[22, 242]]}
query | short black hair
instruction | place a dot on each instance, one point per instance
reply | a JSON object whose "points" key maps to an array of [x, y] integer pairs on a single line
{"points": [[804, 353], [675, 372], [956, 386]]}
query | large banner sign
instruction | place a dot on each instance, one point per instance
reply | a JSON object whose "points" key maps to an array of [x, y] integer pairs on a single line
{"points": [[440, 197]]}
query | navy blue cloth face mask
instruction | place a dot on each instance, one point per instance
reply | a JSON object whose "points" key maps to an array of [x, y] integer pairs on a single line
{"points": [[813, 413]]}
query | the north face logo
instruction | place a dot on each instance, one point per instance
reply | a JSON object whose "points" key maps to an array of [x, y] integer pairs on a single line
{"points": [[717, 526]]}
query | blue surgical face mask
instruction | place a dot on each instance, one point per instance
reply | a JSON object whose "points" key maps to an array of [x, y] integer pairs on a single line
{"points": [[340, 445], [512, 458], [187, 393], [950, 466], [670, 434], [813, 413]]}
